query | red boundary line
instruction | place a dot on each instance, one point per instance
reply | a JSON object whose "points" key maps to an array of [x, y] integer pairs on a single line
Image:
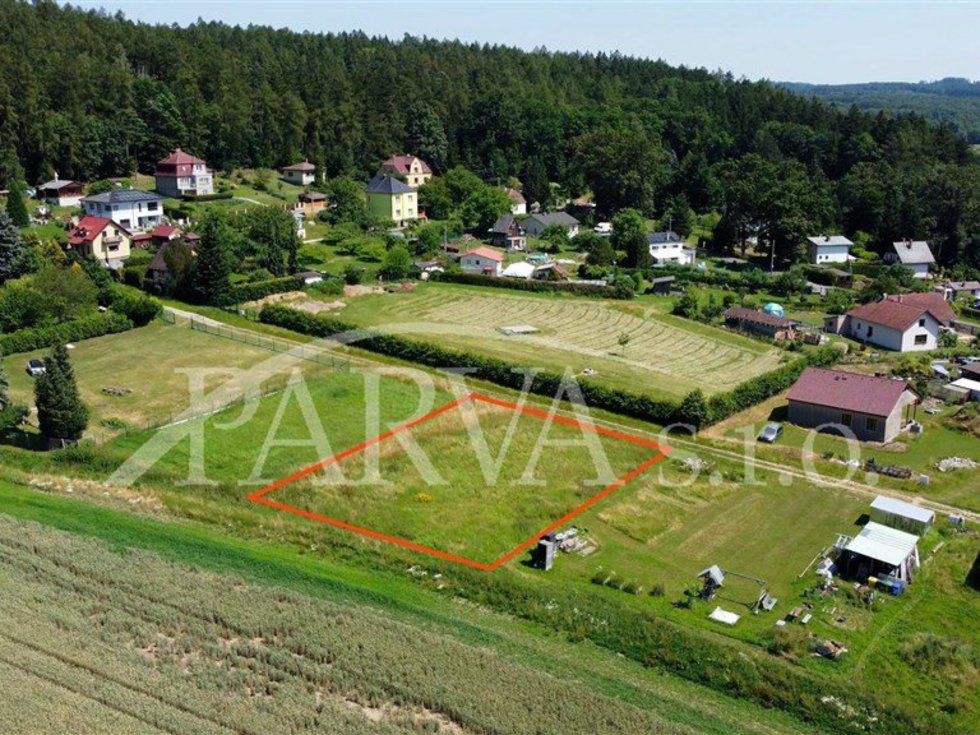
{"points": [[259, 496]]}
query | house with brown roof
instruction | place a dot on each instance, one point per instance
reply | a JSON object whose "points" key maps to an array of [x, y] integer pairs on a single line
{"points": [[301, 174], [411, 169], [483, 261], [310, 203], [518, 204], [60, 192], [180, 174], [904, 323], [100, 238], [871, 408], [759, 322]]}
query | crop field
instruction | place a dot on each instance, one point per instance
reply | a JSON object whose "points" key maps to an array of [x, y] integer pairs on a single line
{"points": [[130, 643], [665, 356], [134, 379]]}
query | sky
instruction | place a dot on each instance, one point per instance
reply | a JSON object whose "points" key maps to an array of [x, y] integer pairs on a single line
{"points": [[820, 42]]}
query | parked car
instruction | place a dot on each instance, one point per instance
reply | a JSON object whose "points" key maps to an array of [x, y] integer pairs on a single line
{"points": [[771, 433], [36, 367]]}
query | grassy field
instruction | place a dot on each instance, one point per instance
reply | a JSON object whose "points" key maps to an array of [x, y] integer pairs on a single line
{"points": [[666, 356], [132, 379], [127, 641]]}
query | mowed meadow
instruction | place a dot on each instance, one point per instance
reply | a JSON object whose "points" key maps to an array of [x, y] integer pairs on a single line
{"points": [[665, 357]]}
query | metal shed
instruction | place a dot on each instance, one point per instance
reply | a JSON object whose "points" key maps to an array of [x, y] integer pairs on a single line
{"points": [[901, 515], [880, 550]]}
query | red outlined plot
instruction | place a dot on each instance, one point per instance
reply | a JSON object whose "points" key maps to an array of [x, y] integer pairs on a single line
{"points": [[262, 496]]}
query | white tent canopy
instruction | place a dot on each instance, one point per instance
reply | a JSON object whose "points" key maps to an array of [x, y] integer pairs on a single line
{"points": [[886, 545]]}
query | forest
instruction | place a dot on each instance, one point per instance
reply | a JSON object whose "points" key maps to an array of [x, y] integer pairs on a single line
{"points": [[90, 95]]}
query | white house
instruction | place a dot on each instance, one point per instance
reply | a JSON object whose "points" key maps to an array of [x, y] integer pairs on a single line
{"points": [[484, 261], [518, 204], [135, 210], [828, 249], [536, 223], [905, 323], [181, 173], [668, 248], [914, 255], [955, 289], [301, 174]]}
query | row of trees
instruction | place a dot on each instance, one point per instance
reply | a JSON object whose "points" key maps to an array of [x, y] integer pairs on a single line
{"points": [[91, 95]]}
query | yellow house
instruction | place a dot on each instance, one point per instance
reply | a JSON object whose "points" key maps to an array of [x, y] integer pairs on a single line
{"points": [[389, 198], [411, 169], [102, 239]]}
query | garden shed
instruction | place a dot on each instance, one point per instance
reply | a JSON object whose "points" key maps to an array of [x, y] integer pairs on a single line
{"points": [[901, 515], [880, 550]]}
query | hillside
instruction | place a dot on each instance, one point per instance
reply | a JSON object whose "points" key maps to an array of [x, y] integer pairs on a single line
{"points": [[953, 101], [91, 95]]}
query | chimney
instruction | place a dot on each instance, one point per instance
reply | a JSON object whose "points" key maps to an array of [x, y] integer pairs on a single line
{"points": [[826, 238]]}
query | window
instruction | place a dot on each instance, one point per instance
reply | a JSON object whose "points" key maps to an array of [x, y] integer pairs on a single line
{"points": [[152, 207], [871, 424], [871, 330], [922, 322], [921, 339], [845, 418]]}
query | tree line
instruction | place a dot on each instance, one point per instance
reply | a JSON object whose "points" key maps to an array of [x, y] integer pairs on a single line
{"points": [[91, 95]]}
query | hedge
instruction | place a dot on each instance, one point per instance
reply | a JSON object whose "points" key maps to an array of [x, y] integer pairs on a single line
{"points": [[207, 197], [260, 289], [658, 411], [520, 284], [25, 340]]}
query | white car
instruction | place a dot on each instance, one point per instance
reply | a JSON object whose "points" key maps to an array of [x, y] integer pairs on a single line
{"points": [[770, 433], [36, 367]]}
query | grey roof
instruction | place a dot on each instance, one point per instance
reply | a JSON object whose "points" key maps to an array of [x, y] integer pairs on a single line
{"points": [[903, 509], [656, 238], [912, 252], [387, 184], [503, 223], [820, 240], [120, 196], [56, 184], [551, 218], [714, 572]]}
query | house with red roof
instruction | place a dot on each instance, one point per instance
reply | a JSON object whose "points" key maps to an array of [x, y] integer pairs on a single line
{"points": [[869, 407], [904, 323], [102, 239], [410, 169], [484, 261], [182, 174]]}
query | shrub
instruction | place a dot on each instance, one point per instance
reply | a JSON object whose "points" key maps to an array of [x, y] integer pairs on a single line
{"points": [[26, 340], [253, 291], [140, 309]]}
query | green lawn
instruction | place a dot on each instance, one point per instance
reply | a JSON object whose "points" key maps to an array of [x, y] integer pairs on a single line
{"points": [[133, 379], [666, 356]]}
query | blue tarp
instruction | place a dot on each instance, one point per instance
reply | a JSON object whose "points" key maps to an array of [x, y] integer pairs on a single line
{"points": [[774, 309]]}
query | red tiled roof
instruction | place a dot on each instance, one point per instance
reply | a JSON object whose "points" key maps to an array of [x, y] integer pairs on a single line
{"points": [[177, 156], [87, 229], [901, 312], [163, 231], [403, 163], [847, 391], [485, 253], [932, 302]]}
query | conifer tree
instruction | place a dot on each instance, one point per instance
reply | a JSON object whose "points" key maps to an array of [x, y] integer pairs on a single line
{"points": [[211, 282], [11, 248], [60, 411], [15, 205]]}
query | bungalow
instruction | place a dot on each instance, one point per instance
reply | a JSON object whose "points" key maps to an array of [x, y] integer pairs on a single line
{"points": [[180, 174], [310, 203], [828, 249], [668, 248], [880, 551], [484, 261], [301, 174], [518, 204], [872, 408], [536, 223], [901, 515], [507, 232], [759, 322], [951, 290], [60, 192], [905, 323], [914, 255], [392, 199], [102, 239], [135, 210], [412, 169]]}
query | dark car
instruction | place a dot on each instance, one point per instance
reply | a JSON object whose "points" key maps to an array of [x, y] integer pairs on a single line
{"points": [[36, 367], [771, 433]]}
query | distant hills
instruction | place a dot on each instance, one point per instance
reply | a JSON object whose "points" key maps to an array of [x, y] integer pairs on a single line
{"points": [[952, 100]]}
